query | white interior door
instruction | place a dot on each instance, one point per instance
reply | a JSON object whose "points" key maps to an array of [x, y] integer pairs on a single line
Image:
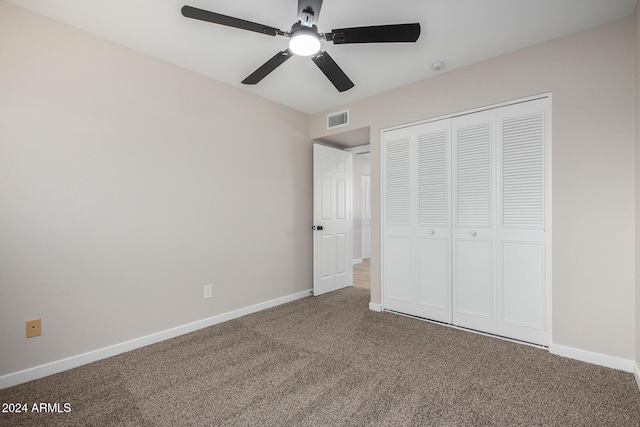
{"points": [[366, 216], [524, 257], [474, 234], [397, 219], [432, 247], [416, 218], [332, 219]]}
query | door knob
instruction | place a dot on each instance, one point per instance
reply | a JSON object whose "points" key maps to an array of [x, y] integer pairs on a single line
{"points": [[472, 233], [432, 232], [320, 228]]}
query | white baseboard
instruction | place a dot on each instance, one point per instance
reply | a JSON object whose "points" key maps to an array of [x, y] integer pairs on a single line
{"points": [[637, 374], [375, 307], [357, 261], [595, 358], [42, 371]]}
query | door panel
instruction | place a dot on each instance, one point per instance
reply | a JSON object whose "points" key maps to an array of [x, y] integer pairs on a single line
{"points": [[523, 292], [524, 218], [474, 292], [341, 199], [341, 254], [523, 284], [325, 207], [434, 289], [474, 197], [326, 244], [398, 292], [433, 226], [397, 187]]}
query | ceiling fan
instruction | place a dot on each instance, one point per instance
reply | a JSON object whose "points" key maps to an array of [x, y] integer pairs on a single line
{"points": [[305, 39]]}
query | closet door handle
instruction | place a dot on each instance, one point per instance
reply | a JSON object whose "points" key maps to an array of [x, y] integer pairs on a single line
{"points": [[432, 232], [472, 233]]}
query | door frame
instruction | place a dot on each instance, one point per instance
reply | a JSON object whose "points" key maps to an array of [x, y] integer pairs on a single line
{"points": [[363, 206]]}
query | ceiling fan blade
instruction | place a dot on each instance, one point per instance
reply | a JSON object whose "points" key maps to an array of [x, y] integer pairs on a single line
{"points": [[333, 72], [376, 34], [309, 18], [268, 67], [229, 21]]}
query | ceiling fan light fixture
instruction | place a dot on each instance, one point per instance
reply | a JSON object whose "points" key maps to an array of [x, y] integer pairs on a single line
{"points": [[304, 43]]}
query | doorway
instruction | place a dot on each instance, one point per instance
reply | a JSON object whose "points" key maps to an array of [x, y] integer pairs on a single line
{"points": [[362, 217], [362, 274], [356, 142]]}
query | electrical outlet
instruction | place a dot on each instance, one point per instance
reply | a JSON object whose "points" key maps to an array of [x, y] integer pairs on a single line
{"points": [[208, 291], [34, 328]]}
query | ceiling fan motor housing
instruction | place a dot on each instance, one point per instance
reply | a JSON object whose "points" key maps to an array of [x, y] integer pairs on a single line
{"points": [[307, 29], [306, 18]]}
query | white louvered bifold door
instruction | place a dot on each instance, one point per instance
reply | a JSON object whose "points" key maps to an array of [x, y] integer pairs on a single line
{"points": [[397, 219], [523, 221], [474, 234], [466, 220], [432, 247], [417, 220]]}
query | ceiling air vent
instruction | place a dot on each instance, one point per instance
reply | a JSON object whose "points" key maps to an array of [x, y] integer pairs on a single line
{"points": [[338, 119]]}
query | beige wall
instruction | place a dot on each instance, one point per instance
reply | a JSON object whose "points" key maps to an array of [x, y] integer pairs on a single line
{"points": [[127, 184], [637, 158], [361, 167], [591, 77]]}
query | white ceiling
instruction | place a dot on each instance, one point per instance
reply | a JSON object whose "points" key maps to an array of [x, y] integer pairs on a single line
{"points": [[458, 32]]}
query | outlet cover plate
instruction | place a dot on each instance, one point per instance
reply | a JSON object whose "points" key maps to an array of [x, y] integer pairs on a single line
{"points": [[34, 328], [208, 291]]}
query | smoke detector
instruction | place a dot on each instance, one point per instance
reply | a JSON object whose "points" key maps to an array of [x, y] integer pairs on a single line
{"points": [[437, 66]]}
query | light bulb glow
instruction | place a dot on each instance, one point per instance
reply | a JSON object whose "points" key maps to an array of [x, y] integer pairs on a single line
{"points": [[304, 43]]}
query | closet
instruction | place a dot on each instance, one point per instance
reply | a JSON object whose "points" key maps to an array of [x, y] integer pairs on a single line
{"points": [[466, 220]]}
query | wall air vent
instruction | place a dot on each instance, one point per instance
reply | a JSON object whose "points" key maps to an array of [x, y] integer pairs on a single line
{"points": [[338, 119]]}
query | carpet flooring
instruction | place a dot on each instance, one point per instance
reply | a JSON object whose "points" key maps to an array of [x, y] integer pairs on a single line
{"points": [[329, 360]]}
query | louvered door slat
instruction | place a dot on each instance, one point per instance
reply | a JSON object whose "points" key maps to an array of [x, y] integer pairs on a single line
{"points": [[473, 176], [523, 172], [432, 179], [397, 182]]}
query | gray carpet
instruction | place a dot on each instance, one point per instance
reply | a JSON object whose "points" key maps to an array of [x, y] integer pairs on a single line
{"points": [[326, 361]]}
